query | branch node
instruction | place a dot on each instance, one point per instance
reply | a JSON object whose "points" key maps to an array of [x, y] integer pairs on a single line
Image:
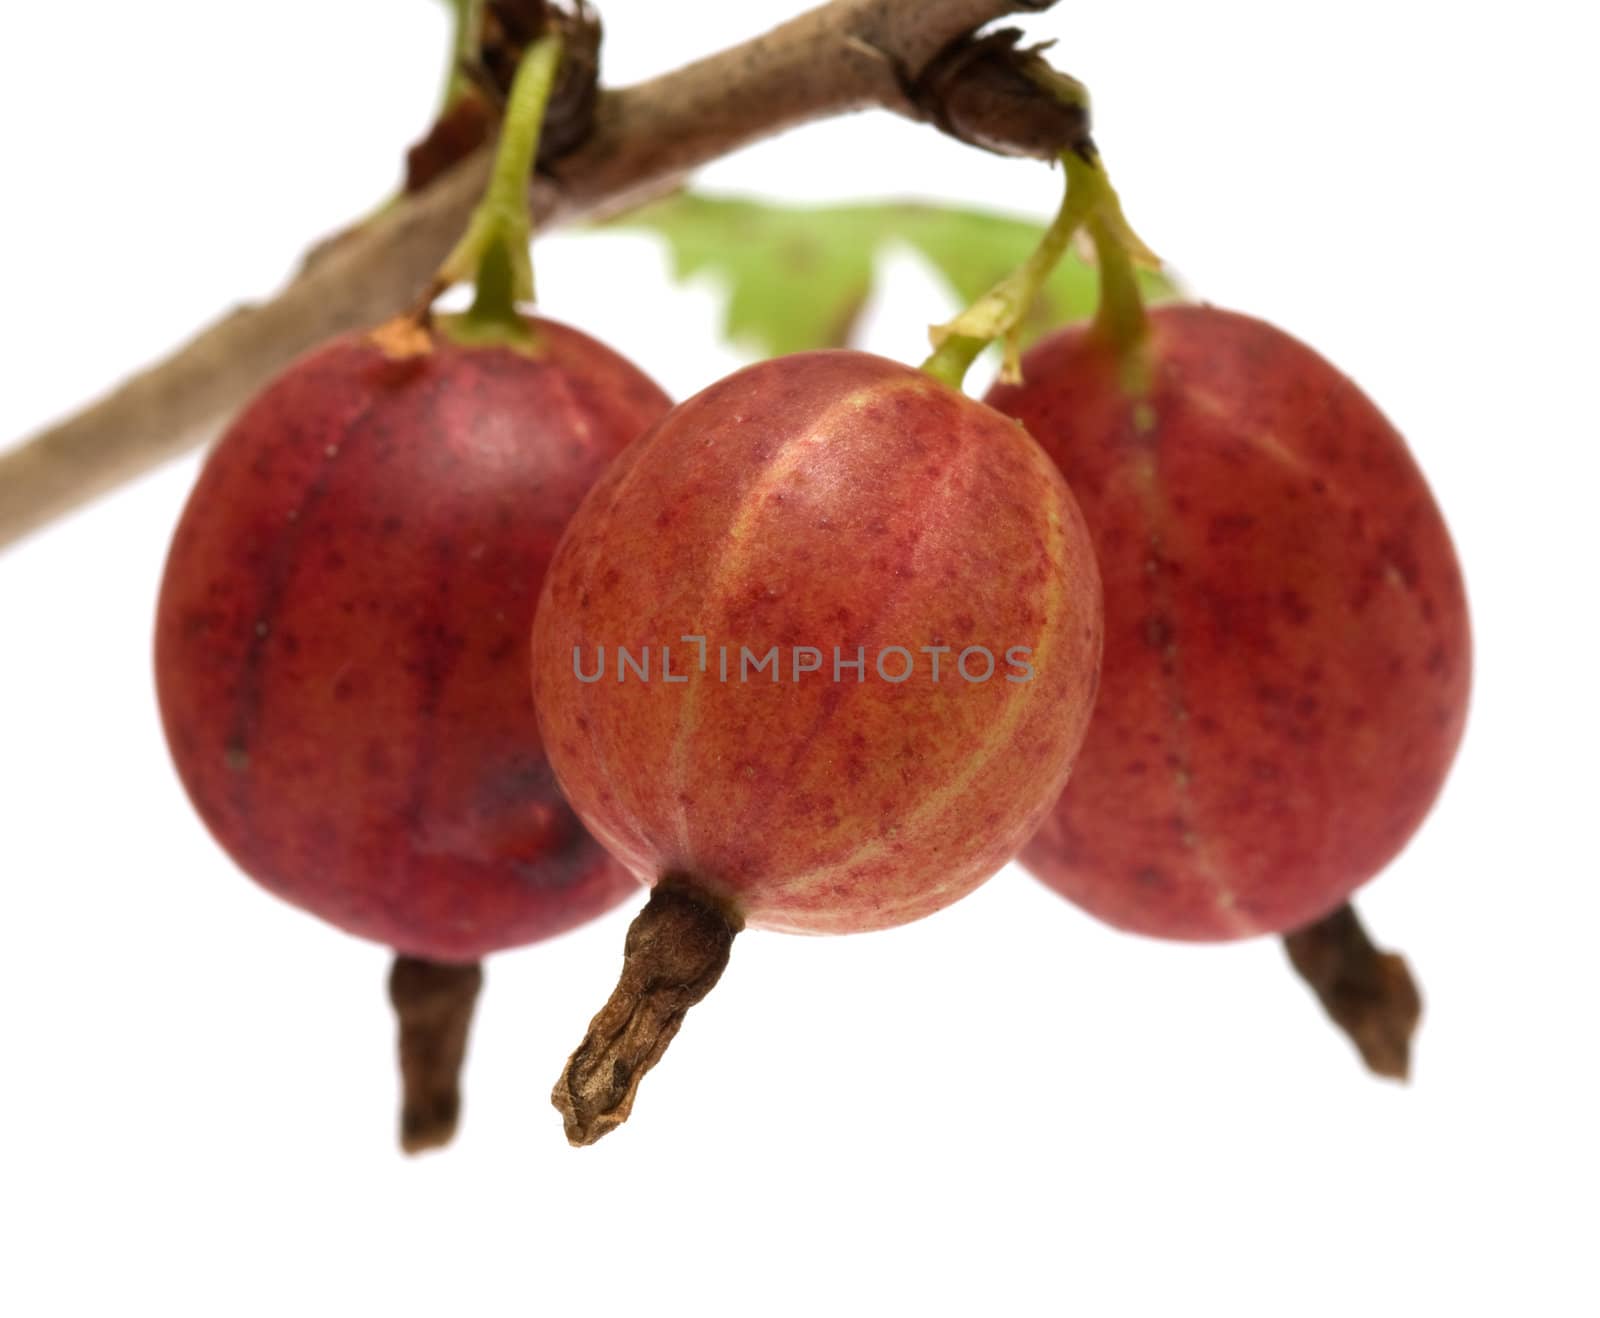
{"points": [[991, 93]]}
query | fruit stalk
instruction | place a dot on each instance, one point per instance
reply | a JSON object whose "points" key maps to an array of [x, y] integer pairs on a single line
{"points": [[1091, 202], [433, 1003], [466, 26], [1120, 316], [494, 250], [1369, 994], [999, 312], [676, 950]]}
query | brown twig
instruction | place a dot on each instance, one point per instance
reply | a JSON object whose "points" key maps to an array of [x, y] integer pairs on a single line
{"points": [[846, 55]]}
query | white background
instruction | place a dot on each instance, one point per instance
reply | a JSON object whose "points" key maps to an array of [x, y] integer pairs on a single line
{"points": [[1006, 1109]]}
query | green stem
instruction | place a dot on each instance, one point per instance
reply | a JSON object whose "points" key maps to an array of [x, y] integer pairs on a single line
{"points": [[494, 250], [1120, 316], [953, 358], [999, 313], [1091, 203], [466, 17]]}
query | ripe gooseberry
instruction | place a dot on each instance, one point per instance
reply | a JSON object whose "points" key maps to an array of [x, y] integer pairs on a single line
{"points": [[342, 630], [1287, 647], [341, 635], [854, 522]]}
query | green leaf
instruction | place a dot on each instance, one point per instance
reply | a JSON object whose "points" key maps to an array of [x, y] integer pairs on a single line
{"points": [[798, 276]]}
